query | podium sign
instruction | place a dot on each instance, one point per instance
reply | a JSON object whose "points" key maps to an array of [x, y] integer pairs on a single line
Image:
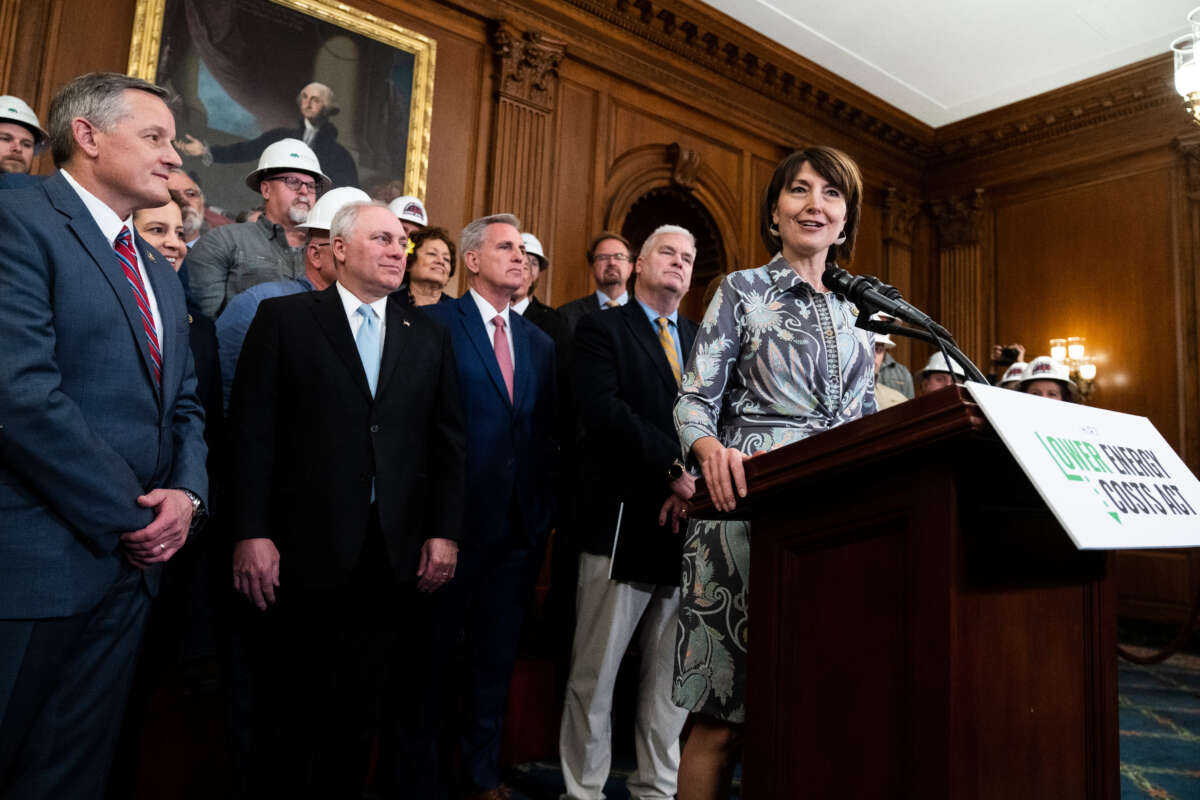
{"points": [[1110, 479]]}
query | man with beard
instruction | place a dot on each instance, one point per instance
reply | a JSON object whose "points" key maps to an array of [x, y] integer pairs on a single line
{"points": [[317, 105], [608, 255], [233, 258], [198, 219], [21, 137]]}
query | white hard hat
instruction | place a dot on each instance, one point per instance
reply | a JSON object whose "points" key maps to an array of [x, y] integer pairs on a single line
{"points": [[1045, 368], [324, 210], [1014, 373], [287, 155], [534, 247], [14, 109], [409, 209], [937, 363]]}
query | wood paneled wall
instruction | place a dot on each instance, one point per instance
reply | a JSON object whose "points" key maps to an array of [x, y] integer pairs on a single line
{"points": [[1073, 213]]}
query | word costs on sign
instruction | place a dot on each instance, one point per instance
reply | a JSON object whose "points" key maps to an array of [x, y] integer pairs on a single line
{"points": [[1110, 478]]}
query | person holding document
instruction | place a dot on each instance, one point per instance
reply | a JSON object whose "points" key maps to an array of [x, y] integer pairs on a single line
{"points": [[777, 359], [627, 371]]}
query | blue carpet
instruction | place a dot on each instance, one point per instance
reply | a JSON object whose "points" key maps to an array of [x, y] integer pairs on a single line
{"points": [[1160, 730], [1160, 739]]}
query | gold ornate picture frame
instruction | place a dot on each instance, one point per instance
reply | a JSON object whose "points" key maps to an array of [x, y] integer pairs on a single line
{"points": [[238, 67]]}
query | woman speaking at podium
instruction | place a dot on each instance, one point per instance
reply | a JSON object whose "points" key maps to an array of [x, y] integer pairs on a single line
{"points": [[777, 359]]}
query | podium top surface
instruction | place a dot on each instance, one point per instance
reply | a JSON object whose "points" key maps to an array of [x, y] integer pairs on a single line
{"points": [[926, 421]]}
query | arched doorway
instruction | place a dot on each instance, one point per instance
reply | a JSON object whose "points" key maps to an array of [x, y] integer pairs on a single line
{"points": [[671, 205]]}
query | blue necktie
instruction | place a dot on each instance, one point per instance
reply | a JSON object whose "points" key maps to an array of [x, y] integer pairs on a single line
{"points": [[368, 344]]}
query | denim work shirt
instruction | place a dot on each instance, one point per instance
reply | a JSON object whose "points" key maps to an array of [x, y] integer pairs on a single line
{"points": [[230, 259]]}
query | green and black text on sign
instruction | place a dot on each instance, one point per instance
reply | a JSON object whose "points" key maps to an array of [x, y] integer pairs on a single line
{"points": [[1077, 459]]}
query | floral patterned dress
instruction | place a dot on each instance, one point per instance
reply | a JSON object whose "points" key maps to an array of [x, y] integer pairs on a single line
{"points": [[774, 362]]}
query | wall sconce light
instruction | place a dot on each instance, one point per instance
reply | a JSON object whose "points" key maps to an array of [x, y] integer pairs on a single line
{"points": [[1071, 351], [1187, 69]]}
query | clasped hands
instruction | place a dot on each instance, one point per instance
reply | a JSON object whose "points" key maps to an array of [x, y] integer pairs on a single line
{"points": [[159, 540], [256, 568]]}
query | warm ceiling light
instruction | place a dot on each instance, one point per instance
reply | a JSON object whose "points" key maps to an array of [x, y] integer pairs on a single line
{"points": [[1187, 70], [1075, 347], [1058, 349]]}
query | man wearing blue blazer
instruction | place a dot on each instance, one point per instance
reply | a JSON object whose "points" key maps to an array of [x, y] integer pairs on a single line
{"points": [[102, 469], [506, 376]]}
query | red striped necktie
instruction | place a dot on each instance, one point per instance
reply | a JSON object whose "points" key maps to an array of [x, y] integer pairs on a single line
{"points": [[124, 248]]}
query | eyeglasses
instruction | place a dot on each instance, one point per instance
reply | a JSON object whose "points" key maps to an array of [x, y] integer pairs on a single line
{"points": [[296, 184], [616, 258]]}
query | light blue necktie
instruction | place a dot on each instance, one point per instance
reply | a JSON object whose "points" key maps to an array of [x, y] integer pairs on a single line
{"points": [[368, 344]]}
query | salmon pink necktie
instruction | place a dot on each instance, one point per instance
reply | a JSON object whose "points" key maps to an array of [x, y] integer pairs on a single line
{"points": [[503, 357]]}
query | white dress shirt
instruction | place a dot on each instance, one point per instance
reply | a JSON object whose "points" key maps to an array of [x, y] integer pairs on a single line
{"points": [[488, 313], [110, 226], [521, 305], [351, 303], [310, 132]]}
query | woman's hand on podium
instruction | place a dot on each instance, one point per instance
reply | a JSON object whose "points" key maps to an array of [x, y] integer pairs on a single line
{"points": [[723, 472]]}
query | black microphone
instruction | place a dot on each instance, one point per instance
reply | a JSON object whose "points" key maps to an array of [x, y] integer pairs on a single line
{"points": [[872, 294]]}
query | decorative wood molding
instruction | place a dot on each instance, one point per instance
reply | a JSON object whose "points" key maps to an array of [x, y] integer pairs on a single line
{"points": [[958, 219], [697, 36], [900, 208], [528, 65], [522, 146], [1125, 92], [1188, 148], [685, 165]]}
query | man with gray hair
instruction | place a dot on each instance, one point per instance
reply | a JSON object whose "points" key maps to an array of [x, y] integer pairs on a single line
{"points": [[627, 367], [506, 377], [233, 258], [102, 473], [340, 532], [317, 104]]}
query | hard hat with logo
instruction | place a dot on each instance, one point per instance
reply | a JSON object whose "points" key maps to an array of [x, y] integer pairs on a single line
{"points": [[1013, 374], [287, 155], [937, 363], [534, 247], [324, 210], [409, 209], [14, 109], [1045, 368]]}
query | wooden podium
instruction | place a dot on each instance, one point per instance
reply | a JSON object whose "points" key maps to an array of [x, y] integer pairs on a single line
{"points": [[921, 626]]}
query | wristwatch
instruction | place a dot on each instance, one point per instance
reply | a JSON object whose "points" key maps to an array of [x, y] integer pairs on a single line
{"points": [[199, 513], [676, 470]]}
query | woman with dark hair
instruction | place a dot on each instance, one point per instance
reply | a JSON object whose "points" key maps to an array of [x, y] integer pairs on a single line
{"points": [[777, 359], [430, 266]]}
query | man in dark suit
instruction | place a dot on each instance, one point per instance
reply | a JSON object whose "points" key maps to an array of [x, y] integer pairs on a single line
{"points": [[348, 460], [627, 371], [608, 256], [317, 104], [506, 376], [102, 461]]}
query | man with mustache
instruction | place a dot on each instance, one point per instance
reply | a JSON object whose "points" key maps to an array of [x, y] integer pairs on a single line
{"points": [[233, 258], [198, 218], [21, 138]]}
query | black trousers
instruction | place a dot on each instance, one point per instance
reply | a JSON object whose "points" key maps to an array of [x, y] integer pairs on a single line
{"points": [[325, 657], [63, 687]]}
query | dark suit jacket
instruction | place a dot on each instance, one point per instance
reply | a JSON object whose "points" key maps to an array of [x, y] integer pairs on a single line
{"points": [[554, 325], [86, 430], [625, 393], [336, 161], [511, 448], [578, 309], [308, 438]]}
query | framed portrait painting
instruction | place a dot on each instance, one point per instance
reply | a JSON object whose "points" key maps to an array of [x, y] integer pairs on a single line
{"points": [[246, 72]]}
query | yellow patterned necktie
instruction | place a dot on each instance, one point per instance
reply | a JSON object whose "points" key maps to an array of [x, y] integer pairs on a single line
{"points": [[668, 346]]}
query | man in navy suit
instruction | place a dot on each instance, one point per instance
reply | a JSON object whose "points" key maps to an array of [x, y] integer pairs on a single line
{"points": [[102, 467], [506, 376]]}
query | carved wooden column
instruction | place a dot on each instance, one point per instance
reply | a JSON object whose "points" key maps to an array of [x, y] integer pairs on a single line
{"points": [[959, 222], [900, 207], [1186, 290], [522, 143]]}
